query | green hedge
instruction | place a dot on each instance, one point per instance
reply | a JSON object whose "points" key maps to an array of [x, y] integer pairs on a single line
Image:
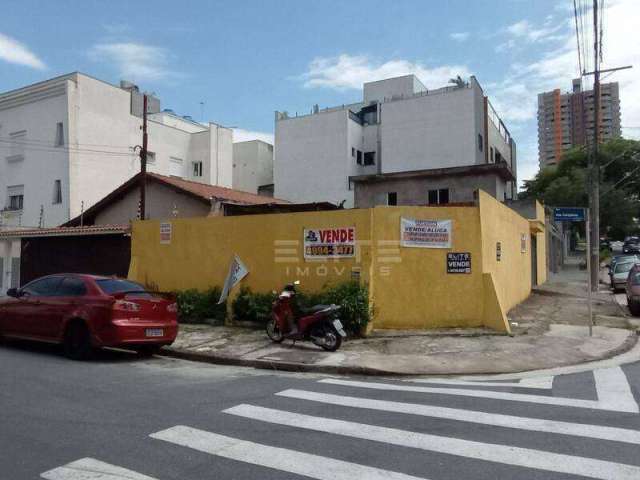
{"points": [[195, 306], [351, 296]]}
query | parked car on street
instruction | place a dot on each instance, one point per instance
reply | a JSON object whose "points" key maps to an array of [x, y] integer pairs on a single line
{"points": [[85, 312], [620, 259], [632, 289], [620, 273], [631, 246]]}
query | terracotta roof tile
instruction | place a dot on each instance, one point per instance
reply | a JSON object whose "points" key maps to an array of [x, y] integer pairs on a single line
{"points": [[65, 231]]}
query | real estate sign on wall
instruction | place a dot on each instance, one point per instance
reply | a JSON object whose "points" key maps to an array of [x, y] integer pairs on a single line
{"points": [[458, 262], [425, 233], [330, 242], [165, 233]]}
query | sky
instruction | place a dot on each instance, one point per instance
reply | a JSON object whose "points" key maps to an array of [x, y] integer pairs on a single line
{"points": [[235, 63]]}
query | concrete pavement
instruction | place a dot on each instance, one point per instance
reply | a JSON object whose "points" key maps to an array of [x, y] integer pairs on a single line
{"points": [[120, 417]]}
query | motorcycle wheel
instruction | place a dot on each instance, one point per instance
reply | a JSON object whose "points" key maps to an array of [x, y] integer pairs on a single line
{"points": [[273, 331], [331, 339]]}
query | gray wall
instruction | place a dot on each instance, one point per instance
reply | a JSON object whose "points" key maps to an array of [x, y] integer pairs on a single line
{"points": [[160, 205], [414, 191]]}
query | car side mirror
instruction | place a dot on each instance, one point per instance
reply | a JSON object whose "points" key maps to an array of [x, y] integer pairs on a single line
{"points": [[13, 292]]}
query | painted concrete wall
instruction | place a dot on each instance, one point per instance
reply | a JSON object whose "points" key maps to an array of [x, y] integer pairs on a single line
{"points": [[9, 250], [409, 287], [313, 158], [161, 201], [380, 90], [252, 165]]}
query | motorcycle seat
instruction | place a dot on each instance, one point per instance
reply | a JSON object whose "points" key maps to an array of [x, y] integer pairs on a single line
{"points": [[314, 309]]}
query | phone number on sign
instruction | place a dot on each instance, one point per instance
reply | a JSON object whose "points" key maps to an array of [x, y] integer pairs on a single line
{"points": [[329, 251]]}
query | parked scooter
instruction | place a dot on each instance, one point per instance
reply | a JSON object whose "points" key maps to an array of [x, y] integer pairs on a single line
{"points": [[318, 324]]}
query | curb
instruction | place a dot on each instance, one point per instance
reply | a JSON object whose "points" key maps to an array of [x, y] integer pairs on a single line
{"points": [[625, 346]]}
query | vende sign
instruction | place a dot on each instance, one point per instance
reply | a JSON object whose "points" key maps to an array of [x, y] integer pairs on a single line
{"points": [[425, 233], [330, 242]]}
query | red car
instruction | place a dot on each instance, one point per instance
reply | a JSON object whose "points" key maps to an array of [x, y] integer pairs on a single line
{"points": [[84, 312]]}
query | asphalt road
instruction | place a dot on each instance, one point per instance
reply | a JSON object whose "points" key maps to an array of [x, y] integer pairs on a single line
{"points": [[120, 417]]}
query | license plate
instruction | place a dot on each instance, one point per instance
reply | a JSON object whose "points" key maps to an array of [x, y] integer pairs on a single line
{"points": [[338, 326], [154, 332]]}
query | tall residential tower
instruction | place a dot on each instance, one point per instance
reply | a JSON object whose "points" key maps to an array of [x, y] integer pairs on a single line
{"points": [[565, 120]]}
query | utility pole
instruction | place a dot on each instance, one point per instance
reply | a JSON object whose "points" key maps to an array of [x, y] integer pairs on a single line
{"points": [[595, 163], [143, 159]]}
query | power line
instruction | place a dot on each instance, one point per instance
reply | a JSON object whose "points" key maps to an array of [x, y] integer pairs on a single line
{"points": [[66, 150], [48, 143], [575, 15]]}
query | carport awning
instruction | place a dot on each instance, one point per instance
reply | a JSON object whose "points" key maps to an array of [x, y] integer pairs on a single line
{"points": [[536, 226]]}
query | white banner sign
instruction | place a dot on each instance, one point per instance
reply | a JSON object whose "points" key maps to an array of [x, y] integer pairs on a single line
{"points": [[237, 271], [425, 233], [330, 242]]}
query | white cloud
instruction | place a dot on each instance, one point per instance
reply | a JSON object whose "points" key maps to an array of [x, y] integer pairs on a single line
{"points": [[242, 135], [524, 29], [135, 61], [459, 36], [351, 71], [13, 51]]}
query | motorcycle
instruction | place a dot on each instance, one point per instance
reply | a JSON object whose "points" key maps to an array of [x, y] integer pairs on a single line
{"points": [[318, 324]]}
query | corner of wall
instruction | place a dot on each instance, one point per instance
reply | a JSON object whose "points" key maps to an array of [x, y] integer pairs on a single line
{"points": [[493, 314]]}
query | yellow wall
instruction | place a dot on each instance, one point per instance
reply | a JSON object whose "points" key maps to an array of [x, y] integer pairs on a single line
{"points": [[512, 274], [541, 240], [409, 287], [417, 292]]}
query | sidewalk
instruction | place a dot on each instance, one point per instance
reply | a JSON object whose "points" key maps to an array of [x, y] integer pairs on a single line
{"points": [[549, 330]]}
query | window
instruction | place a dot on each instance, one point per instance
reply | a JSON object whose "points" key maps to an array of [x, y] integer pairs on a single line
{"points": [[45, 287], [438, 197], [59, 134], [197, 169], [175, 167], [151, 157], [369, 158], [358, 157], [110, 286], [480, 142], [353, 152], [16, 140], [392, 198], [491, 160], [71, 287], [57, 191], [15, 197]]}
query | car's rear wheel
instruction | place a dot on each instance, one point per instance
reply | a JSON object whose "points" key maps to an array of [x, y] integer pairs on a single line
{"points": [[148, 350], [77, 341]]}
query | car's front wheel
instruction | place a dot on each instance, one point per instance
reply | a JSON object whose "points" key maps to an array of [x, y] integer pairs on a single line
{"points": [[77, 341]]}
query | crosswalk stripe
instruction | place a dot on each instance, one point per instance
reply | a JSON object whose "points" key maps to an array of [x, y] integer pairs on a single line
{"points": [[509, 455], [494, 419], [543, 383], [608, 377], [292, 461], [614, 391], [92, 469]]}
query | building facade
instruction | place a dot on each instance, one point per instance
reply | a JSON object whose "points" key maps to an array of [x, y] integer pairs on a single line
{"points": [[399, 126], [67, 142], [252, 166], [566, 120]]}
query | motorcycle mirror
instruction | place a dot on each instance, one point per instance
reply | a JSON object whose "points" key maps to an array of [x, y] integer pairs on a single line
{"points": [[297, 282]]}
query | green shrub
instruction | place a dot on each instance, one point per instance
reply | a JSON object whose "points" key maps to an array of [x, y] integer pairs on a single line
{"points": [[195, 306], [252, 307], [351, 296]]}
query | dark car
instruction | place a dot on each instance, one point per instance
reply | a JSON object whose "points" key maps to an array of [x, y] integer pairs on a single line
{"points": [[84, 312], [631, 246]]}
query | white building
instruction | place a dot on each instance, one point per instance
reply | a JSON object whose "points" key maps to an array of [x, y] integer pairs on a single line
{"points": [[67, 142], [253, 167], [400, 126]]}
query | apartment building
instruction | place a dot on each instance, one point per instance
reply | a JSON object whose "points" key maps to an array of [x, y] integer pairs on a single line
{"points": [[67, 142], [399, 131], [253, 167], [566, 120]]}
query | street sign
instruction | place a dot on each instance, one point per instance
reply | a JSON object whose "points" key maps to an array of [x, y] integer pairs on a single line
{"points": [[568, 214]]}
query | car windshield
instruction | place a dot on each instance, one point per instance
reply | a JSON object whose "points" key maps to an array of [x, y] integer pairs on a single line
{"points": [[624, 267], [115, 285]]}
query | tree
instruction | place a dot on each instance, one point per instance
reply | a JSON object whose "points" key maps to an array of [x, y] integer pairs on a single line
{"points": [[566, 185]]}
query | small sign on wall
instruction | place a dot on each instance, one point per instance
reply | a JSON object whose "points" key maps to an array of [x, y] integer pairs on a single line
{"points": [[458, 262], [523, 243], [498, 251], [166, 231]]}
